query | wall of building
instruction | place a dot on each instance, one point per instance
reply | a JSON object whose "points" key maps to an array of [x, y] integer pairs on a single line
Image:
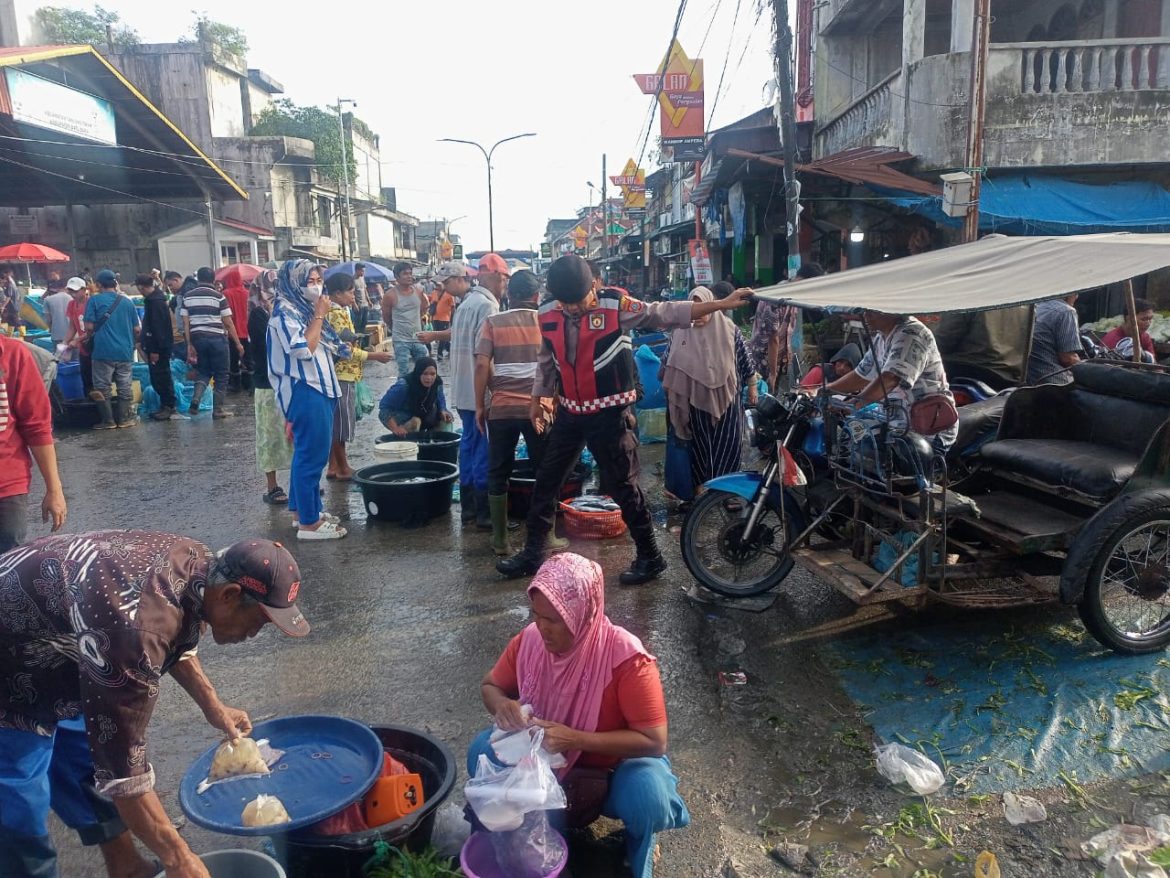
{"points": [[367, 181], [225, 102], [171, 75]]}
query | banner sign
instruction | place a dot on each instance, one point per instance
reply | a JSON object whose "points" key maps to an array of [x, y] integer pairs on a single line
{"points": [[701, 263], [50, 105], [632, 181], [546, 250], [679, 86]]}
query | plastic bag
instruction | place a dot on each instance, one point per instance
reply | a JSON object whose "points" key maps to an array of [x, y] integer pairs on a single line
{"points": [[1023, 809], [532, 851], [501, 797], [363, 400], [450, 831], [653, 397], [898, 763]]}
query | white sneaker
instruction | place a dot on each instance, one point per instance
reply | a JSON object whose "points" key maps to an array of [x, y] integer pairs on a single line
{"points": [[327, 531]]}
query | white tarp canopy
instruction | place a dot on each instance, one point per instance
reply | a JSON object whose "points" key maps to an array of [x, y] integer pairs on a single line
{"points": [[994, 272]]}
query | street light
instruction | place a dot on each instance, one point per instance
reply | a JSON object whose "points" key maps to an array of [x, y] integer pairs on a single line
{"points": [[487, 155], [346, 243]]}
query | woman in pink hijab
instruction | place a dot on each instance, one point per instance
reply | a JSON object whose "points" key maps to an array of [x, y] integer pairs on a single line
{"points": [[595, 691]]}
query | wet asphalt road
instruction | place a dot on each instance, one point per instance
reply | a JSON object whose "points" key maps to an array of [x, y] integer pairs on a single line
{"points": [[406, 623]]}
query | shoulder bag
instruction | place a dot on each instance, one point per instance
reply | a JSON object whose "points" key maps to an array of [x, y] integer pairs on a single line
{"points": [[933, 414], [87, 342]]}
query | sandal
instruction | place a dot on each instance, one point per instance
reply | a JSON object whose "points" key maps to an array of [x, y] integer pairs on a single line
{"points": [[325, 516], [327, 530], [276, 497]]}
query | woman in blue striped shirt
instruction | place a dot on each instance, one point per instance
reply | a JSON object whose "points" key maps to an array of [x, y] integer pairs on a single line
{"points": [[301, 347]]}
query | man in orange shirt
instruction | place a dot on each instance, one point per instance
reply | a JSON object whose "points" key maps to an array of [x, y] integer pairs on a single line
{"points": [[442, 309]]}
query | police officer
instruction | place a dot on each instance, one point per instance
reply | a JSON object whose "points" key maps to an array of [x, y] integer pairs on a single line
{"points": [[587, 352]]}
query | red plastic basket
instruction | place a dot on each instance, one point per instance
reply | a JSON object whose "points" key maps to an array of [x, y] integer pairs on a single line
{"points": [[583, 525]]}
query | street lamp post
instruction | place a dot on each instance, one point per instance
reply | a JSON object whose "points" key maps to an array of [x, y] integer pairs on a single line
{"points": [[487, 155], [346, 243]]}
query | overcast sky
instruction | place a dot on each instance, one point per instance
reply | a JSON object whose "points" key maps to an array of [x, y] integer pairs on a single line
{"points": [[483, 71]]}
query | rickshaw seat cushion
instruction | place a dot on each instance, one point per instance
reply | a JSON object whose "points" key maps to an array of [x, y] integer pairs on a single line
{"points": [[978, 419], [1123, 382], [1089, 469]]}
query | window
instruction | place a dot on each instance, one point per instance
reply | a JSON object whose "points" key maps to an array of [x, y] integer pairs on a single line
{"points": [[229, 254], [262, 254]]}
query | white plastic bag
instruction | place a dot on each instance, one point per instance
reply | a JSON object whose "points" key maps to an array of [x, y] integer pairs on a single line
{"points": [[532, 851], [511, 747], [897, 763], [501, 797], [1023, 809]]}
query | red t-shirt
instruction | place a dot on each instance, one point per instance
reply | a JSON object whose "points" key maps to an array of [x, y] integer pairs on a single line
{"points": [[1114, 336], [25, 416], [632, 700], [75, 311], [238, 301]]}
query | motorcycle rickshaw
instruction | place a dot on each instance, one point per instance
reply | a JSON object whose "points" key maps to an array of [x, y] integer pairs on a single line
{"points": [[1068, 497]]}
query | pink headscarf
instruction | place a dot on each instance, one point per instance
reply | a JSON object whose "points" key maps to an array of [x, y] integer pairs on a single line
{"points": [[567, 688]]}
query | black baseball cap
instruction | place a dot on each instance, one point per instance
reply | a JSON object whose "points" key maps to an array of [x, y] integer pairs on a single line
{"points": [[269, 573]]}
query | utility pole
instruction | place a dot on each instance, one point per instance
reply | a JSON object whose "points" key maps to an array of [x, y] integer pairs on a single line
{"points": [[788, 134], [212, 249], [604, 211], [346, 244], [981, 42]]}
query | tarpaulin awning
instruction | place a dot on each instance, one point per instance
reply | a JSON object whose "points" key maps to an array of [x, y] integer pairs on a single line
{"points": [[1036, 205], [995, 272]]}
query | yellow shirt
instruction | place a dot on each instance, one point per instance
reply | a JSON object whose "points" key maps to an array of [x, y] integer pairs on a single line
{"points": [[351, 369]]}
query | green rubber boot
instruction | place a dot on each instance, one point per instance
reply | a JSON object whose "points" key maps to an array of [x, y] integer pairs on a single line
{"points": [[498, 507]]}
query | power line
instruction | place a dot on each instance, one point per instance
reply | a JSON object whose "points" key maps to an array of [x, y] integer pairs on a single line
{"points": [[198, 213], [726, 58]]}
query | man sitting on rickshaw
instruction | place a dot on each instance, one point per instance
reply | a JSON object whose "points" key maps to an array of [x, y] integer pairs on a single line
{"points": [[903, 366]]}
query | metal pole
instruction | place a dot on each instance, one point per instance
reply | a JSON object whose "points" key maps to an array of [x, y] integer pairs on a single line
{"points": [[211, 232], [604, 210], [981, 41], [788, 134], [346, 244], [491, 209]]}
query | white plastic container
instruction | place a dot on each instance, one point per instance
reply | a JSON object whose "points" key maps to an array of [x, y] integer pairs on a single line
{"points": [[239, 864], [389, 452]]}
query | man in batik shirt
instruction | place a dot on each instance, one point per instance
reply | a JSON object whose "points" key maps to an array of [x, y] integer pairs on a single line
{"points": [[89, 623]]}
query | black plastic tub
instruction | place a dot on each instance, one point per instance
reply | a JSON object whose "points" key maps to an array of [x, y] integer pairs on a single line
{"points": [[387, 499], [523, 480], [440, 445], [305, 855]]}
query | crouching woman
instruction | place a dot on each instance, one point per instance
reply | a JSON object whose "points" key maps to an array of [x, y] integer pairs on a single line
{"points": [[596, 692]]}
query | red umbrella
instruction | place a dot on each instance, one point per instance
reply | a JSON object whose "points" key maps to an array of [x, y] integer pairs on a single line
{"points": [[31, 253], [248, 273]]}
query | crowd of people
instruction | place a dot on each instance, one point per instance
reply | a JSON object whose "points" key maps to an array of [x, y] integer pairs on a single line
{"points": [[545, 359]]}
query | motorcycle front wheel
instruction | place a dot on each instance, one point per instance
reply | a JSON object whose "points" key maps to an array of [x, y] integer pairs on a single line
{"points": [[715, 552]]}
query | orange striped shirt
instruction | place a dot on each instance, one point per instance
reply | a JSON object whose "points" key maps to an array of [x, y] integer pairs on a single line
{"points": [[512, 340]]}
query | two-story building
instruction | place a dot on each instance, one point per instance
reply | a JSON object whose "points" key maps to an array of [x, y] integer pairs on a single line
{"points": [[1077, 98]]}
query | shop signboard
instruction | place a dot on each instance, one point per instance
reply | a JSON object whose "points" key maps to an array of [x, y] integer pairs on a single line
{"points": [[679, 87]]}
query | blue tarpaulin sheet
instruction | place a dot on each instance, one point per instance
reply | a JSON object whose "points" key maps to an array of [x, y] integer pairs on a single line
{"points": [[1012, 709], [1026, 204]]}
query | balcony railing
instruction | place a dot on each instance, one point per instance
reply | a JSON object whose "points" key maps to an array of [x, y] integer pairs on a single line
{"points": [[865, 117], [1091, 66]]}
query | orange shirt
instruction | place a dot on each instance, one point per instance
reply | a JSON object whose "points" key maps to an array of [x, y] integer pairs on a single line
{"points": [[632, 700], [444, 306]]}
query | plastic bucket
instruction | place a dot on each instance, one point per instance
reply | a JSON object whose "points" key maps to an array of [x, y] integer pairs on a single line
{"points": [[442, 445], [343, 856], [389, 494], [69, 380], [523, 480], [397, 451], [478, 858], [239, 864]]}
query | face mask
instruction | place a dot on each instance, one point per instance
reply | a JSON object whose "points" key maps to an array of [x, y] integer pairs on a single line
{"points": [[313, 292]]}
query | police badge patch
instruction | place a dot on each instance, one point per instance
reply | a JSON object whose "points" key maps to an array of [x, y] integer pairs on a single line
{"points": [[597, 321]]}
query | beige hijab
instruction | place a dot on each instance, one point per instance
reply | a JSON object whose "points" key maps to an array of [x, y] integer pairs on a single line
{"points": [[701, 370]]}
